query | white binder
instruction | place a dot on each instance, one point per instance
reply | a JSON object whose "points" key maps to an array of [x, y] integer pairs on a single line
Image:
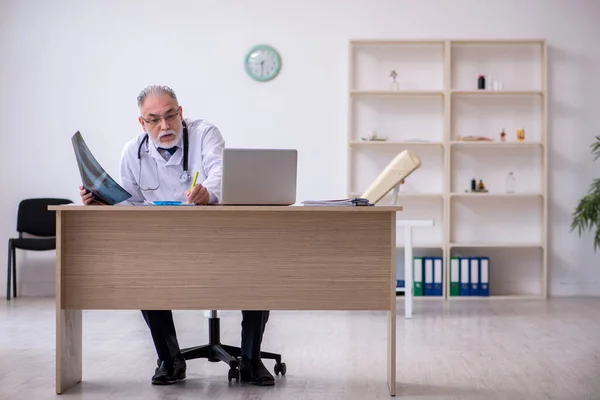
{"points": [[464, 276], [474, 278], [438, 274], [428, 290]]}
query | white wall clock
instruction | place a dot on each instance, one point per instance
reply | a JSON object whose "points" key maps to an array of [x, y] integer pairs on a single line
{"points": [[262, 63]]}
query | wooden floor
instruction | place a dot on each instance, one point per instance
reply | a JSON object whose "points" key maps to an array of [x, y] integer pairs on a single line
{"points": [[502, 349]]}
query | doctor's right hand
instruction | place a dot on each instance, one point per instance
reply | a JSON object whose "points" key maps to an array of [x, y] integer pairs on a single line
{"points": [[87, 197]]}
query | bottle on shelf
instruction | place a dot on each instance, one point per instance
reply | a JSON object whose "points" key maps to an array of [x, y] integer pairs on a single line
{"points": [[481, 82], [473, 185], [511, 182]]}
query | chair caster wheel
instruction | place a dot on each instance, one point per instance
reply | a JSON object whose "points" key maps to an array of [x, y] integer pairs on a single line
{"points": [[234, 373], [280, 367]]}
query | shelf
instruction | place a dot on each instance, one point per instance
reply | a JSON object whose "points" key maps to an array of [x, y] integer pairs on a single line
{"points": [[519, 65], [367, 163], [488, 92], [428, 298], [396, 42], [498, 42], [440, 41], [495, 144], [499, 297], [419, 66], [419, 195], [432, 109], [496, 195], [393, 143], [396, 93], [397, 117], [498, 245], [420, 246], [407, 195]]}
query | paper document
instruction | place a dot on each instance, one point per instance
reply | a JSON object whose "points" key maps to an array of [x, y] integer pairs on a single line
{"points": [[94, 178], [338, 202]]}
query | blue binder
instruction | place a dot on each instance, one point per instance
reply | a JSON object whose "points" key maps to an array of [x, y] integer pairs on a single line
{"points": [[474, 277], [428, 287], [438, 276], [484, 276], [464, 276]]}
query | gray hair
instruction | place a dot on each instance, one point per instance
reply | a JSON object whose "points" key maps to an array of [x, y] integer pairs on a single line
{"points": [[153, 90]]}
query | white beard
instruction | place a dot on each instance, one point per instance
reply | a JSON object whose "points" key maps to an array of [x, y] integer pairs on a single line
{"points": [[171, 143]]}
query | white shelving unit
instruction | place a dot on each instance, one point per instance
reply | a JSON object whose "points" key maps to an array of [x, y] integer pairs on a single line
{"points": [[435, 105]]}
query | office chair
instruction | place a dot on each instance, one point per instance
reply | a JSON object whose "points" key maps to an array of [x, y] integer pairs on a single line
{"points": [[35, 219], [214, 351]]}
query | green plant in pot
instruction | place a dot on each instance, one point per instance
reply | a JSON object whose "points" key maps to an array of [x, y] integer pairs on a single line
{"points": [[587, 214]]}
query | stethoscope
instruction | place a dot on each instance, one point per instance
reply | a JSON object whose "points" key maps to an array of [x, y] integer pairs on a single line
{"points": [[185, 175]]}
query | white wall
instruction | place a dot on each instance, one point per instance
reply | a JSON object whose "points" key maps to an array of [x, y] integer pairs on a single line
{"points": [[78, 65]]}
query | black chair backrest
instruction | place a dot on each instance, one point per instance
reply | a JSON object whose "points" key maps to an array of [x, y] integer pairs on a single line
{"points": [[34, 217]]}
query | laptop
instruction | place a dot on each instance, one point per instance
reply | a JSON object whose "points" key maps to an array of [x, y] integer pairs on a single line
{"points": [[259, 177]]}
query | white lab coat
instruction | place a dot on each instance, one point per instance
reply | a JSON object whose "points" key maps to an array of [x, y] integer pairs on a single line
{"points": [[204, 156]]}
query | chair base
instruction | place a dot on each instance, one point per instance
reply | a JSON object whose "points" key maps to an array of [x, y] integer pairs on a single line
{"points": [[214, 351]]}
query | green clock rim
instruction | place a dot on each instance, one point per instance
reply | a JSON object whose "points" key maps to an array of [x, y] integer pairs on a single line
{"points": [[277, 67]]}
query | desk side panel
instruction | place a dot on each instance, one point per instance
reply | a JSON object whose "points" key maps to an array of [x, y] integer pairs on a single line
{"points": [[251, 261]]}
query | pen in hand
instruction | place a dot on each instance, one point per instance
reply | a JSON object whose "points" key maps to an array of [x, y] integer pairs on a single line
{"points": [[194, 182], [198, 195]]}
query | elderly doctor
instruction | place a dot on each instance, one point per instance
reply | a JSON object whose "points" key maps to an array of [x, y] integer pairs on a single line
{"points": [[153, 167]]}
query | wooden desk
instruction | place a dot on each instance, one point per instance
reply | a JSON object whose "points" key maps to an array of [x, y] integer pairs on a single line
{"points": [[221, 258]]}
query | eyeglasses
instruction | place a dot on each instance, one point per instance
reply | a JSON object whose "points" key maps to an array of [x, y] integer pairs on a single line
{"points": [[168, 118]]}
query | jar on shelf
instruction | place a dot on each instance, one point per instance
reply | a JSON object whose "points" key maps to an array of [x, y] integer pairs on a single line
{"points": [[511, 182]]}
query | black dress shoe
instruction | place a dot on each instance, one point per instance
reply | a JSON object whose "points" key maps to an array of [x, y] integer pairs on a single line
{"points": [[169, 373], [255, 372]]}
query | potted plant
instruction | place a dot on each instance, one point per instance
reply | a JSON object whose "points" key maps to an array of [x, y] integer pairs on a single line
{"points": [[587, 214]]}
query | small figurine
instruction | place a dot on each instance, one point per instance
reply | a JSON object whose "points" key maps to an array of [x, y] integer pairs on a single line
{"points": [[521, 135], [394, 75], [503, 136], [481, 186]]}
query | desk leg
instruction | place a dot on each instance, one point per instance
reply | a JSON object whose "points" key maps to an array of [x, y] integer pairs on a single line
{"points": [[392, 316], [408, 272], [68, 349], [392, 351]]}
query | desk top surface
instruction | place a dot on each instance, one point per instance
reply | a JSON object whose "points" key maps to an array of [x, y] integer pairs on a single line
{"points": [[222, 208]]}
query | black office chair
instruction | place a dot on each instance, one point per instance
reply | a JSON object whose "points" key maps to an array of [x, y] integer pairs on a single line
{"points": [[214, 351], [35, 219]]}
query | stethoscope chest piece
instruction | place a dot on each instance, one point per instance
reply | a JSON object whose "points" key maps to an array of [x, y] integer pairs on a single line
{"points": [[185, 177]]}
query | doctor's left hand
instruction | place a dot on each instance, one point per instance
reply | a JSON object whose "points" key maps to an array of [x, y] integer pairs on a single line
{"points": [[198, 195]]}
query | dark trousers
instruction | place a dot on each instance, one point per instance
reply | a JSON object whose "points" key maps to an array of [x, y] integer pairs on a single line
{"points": [[163, 333]]}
